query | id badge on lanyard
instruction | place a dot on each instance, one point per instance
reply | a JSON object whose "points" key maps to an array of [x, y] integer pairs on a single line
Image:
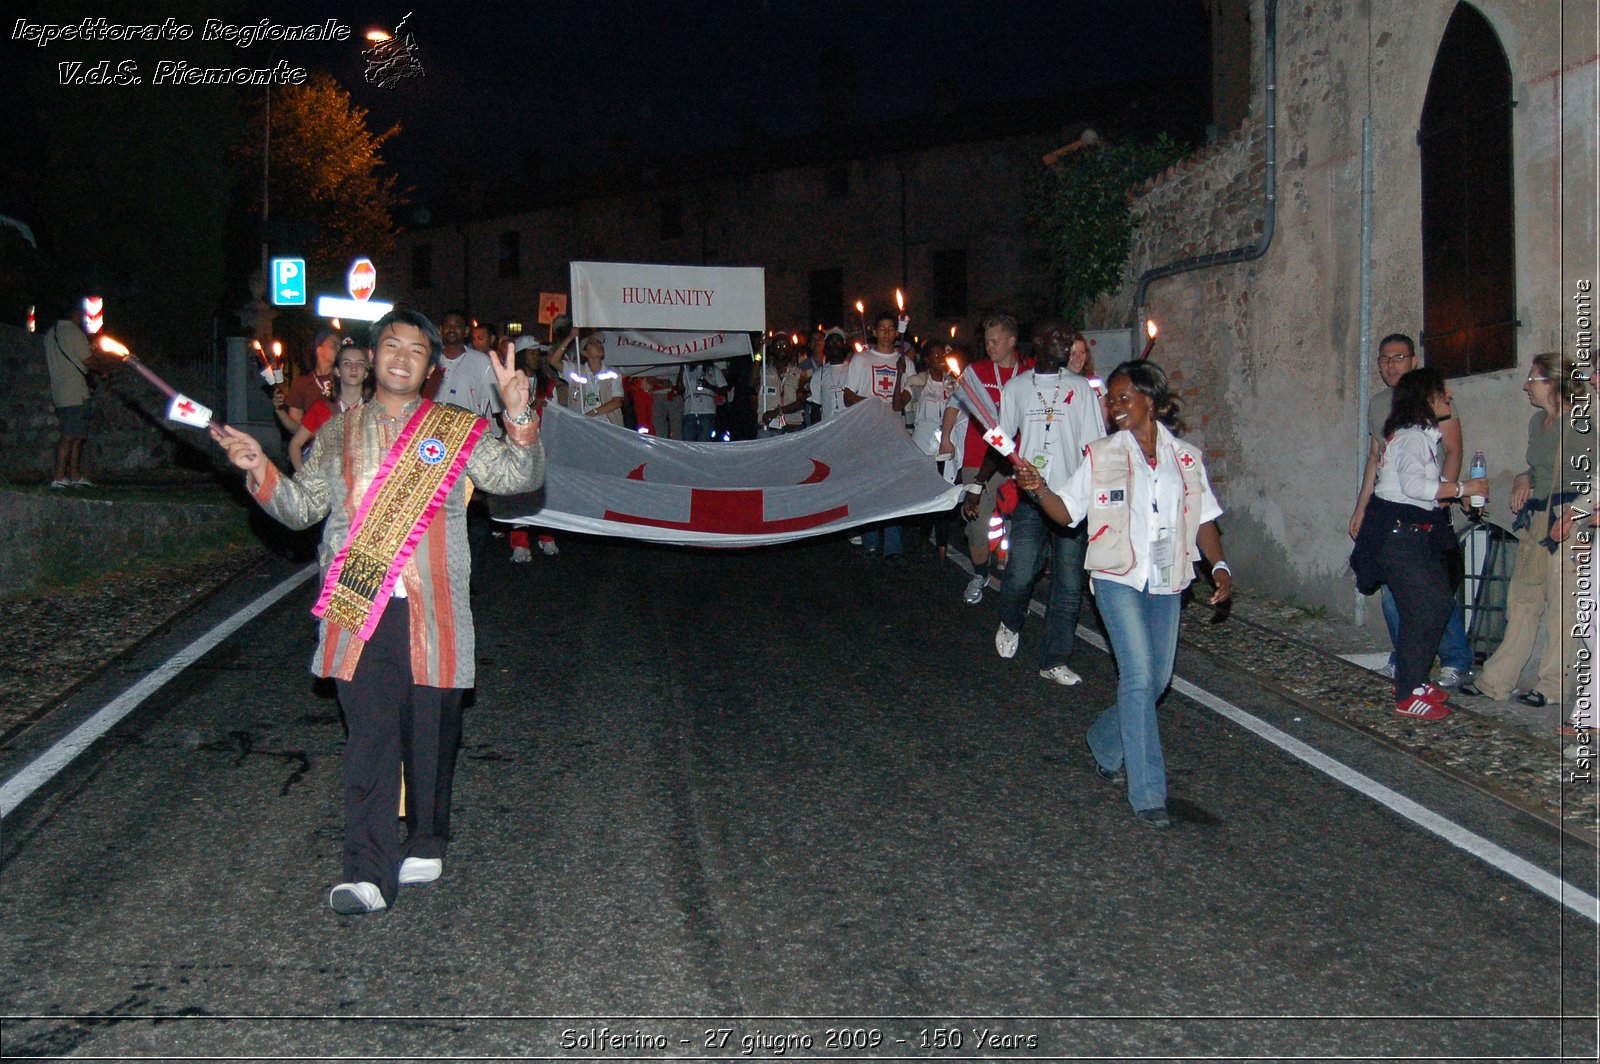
{"points": [[1163, 552], [1162, 559]]}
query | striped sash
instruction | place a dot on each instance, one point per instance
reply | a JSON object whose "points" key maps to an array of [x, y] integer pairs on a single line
{"points": [[402, 501]]}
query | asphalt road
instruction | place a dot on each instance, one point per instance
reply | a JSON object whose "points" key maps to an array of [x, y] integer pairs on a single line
{"points": [[750, 805]]}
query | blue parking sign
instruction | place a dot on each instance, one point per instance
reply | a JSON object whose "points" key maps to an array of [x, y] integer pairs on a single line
{"points": [[288, 282]]}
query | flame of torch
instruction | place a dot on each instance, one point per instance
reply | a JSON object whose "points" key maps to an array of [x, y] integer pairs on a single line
{"points": [[899, 301], [121, 353], [277, 353], [266, 363], [953, 364], [1151, 329], [952, 332]]}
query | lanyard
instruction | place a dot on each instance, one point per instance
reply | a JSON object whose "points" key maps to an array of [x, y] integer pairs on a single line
{"points": [[1049, 407]]}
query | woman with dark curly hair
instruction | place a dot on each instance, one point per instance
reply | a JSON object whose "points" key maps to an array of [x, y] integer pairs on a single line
{"points": [[1405, 537], [1151, 515]]}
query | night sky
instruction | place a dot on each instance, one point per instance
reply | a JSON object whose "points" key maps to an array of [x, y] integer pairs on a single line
{"points": [[569, 81]]}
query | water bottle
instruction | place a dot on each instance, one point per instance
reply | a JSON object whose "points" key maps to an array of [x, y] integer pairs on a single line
{"points": [[1479, 468]]}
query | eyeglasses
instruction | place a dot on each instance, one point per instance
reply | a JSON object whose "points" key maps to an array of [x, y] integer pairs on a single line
{"points": [[1389, 360]]}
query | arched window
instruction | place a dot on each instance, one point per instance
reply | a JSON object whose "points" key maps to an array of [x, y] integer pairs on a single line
{"points": [[1469, 274]]}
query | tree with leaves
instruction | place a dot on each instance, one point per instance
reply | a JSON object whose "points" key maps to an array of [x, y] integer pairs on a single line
{"points": [[1084, 209], [326, 194]]}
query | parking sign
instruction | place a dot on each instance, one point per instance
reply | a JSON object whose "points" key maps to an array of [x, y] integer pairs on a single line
{"points": [[288, 282]]}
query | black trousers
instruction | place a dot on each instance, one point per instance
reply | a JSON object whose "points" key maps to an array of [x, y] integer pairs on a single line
{"points": [[479, 523], [393, 722], [1420, 582]]}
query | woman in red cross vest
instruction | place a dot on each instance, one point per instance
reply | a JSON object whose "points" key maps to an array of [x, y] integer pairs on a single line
{"points": [[1151, 515]]}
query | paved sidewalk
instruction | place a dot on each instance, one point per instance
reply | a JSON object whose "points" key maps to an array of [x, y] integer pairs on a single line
{"points": [[1504, 748]]}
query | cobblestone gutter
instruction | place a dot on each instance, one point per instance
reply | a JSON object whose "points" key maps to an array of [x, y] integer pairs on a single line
{"points": [[1510, 761]]}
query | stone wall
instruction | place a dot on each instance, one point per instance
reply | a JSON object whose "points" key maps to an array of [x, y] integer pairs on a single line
{"points": [[1267, 354], [52, 537], [128, 432]]}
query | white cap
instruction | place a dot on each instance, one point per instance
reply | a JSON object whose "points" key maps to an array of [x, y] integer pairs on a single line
{"points": [[527, 342]]}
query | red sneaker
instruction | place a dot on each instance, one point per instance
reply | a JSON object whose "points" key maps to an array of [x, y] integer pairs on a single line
{"points": [[1419, 708], [1430, 692]]}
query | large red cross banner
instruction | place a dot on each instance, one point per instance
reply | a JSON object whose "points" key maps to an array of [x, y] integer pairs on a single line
{"points": [[859, 468]]}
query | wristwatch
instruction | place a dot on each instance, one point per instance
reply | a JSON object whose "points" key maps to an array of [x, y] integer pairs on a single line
{"points": [[523, 418]]}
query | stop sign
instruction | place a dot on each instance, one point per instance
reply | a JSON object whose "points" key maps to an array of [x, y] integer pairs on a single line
{"points": [[363, 279]]}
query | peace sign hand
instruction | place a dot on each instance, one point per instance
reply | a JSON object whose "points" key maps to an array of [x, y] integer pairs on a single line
{"points": [[513, 384]]}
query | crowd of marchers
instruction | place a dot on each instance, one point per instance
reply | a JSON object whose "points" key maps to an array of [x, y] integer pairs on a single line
{"points": [[1086, 475]]}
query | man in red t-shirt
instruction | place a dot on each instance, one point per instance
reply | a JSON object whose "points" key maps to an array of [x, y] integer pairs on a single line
{"points": [[1004, 362]]}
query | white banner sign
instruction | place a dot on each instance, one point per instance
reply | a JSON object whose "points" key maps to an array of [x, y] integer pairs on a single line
{"points": [[859, 468], [627, 295], [626, 349]]}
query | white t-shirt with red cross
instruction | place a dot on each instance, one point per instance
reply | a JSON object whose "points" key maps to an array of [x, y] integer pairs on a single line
{"points": [[870, 374]]}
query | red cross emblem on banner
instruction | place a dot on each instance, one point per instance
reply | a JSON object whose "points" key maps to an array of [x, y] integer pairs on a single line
{"points": [[552, 308], [737, 511], [1185, 459]]}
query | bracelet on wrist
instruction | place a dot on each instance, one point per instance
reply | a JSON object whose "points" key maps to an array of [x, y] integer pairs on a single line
{"points": [[1223, 565]]}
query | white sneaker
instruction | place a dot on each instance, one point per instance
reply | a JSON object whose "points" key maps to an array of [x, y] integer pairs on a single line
{"points": [[414, 870], [353, 899], [1005, 641], [548, 548], [61, 482], [521, 554], [1062, 675], [1449, 676], [974, 592], [1387, 671], [855, 541]]}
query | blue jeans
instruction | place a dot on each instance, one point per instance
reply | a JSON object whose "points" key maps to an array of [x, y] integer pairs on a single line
{"points": [[1144, 637], [1454, 650], [890, 536], [698, 426], [1031, 535]]}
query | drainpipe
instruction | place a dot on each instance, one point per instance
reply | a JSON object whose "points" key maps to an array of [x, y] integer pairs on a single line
{"points": [[1269, 211], [1363, 410]]}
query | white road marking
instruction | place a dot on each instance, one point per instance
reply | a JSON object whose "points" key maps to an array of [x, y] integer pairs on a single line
{"points": [[40, 770], [1551, 886]]}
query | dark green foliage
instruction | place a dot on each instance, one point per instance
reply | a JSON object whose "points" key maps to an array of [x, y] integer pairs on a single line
{"points": [[329, 200], [1082, 205]]}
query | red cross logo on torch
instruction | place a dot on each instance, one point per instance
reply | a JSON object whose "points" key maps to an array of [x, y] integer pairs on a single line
{"points": [[186, 408]]}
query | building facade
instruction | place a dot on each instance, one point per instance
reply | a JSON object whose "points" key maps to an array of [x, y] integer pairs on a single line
{"points": [[1269, 354], [938, 207]]}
